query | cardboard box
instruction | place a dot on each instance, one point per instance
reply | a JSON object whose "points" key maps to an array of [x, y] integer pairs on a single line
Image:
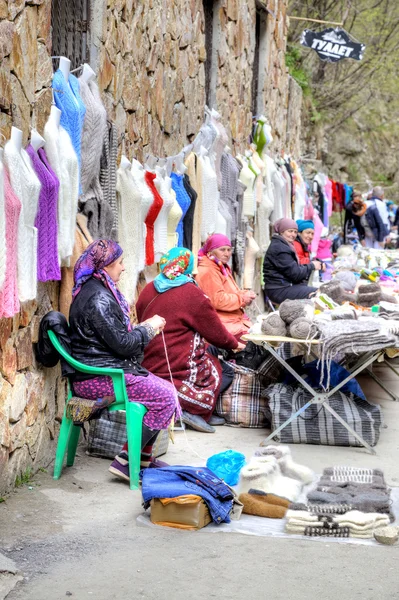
{"points": [[182, 512]]}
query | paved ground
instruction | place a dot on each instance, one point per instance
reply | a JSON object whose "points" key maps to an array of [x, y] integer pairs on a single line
{"points": [[77, 537]]}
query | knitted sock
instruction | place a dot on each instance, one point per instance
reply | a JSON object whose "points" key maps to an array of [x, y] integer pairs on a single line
{"points": [[376, 482], [279, 484], [374, 498], [270, 498], [360, 521], [254, 506], [288, 467], [349, 472]]}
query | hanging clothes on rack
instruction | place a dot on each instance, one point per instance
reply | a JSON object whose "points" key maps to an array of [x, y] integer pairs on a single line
{"points": [[152, 215], [9, 300], [210, 195], [146, 201], [188, 220], [108, 173], [184, 202], [164, 187], [3, 249]]}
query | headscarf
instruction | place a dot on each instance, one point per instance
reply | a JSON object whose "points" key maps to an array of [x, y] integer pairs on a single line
{"points": [[176, 268], [217, 240], [283, 224], [302, 225], [91, 263]]}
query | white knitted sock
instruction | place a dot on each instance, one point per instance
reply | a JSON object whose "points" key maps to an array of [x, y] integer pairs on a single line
{"points": [[288, 467], [258, 477], [359, 521], [282, 486]]}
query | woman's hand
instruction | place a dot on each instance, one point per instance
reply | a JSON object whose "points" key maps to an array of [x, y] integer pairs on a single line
{"points": [[248, 296], [157, 322], [317, 265], [240, 347]]}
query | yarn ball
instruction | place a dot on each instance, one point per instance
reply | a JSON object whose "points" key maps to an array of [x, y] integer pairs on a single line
{"points": [[369, 294], [301, 329], [335, 290], [348, 280], [290, 310], [274, 325]]}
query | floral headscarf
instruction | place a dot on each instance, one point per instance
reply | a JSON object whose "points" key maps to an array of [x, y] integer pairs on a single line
{"points": [[217, 240], [176, 268], [91, 263]]}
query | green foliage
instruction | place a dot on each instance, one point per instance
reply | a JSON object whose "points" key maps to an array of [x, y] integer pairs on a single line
{"points": [[25, 477], [2, 499], [293, 61]]}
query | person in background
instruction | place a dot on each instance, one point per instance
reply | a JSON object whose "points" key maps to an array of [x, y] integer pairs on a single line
{"points": [[192, 323], [368, 222], [284, 277], [215, 279], [378, 199], [102, 336], [303, 240]]}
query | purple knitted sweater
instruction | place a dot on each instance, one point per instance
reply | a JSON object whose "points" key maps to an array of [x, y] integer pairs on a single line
{"points": [[48, 267]]}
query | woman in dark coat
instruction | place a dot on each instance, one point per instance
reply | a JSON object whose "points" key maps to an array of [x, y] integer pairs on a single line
{"points": [[284, 277], [102, 336], [192, 323]]}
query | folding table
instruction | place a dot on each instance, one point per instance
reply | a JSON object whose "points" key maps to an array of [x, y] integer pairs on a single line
{"points": [[269, 342]]}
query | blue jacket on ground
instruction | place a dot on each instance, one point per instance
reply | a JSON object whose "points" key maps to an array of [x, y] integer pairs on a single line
{"points": [[170, 482]]}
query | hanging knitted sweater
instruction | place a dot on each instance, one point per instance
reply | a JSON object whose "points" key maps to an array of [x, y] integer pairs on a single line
{"points": [[151, 218], [188, 221], [130, 230], [210, 197], [9, 301], [247, 177], [184, 202], [108, 173], [163, 184], [67, 99], [27, 187], [48, 267], [173, 220], [63, 161], [146, 200], [194, 171], [3, 249], [230, 172]]}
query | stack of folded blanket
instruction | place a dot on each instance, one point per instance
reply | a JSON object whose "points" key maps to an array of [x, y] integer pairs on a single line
{"points": [[347, 502]]}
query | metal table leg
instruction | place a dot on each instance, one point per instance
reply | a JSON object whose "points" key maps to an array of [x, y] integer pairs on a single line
{"points": [[382, 385]]}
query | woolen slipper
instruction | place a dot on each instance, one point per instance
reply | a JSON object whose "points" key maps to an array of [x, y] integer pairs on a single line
{"points": [[216, 420], [196, 422]]}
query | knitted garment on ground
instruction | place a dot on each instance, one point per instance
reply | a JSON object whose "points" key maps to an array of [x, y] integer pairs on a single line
{"points": [[184, 201], [108, 173], [48, 267], [153, 213], [336, 291], [3, 247], [358, 523], [146, 200], [9, 301], [130, 232], [93, 133], [348, 280], [163, 184], [353, 474], [210, 197], [27, 186], [63, 161], [194, 171], [230, 172], [369, 294], [67, 99]]}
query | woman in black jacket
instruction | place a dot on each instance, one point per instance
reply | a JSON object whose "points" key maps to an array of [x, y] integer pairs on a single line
{"points": [[284, 277], [102, 335]]}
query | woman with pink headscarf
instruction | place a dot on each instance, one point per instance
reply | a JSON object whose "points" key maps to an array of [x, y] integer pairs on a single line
{"points": [[284, 277], [216, 280]]}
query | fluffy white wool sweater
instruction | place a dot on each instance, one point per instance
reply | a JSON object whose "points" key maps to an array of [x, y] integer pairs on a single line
{"points": [[164, 187], [64, 162], [146, 200], [26, 185], [210, 197], [175, 214], [3, 256], [247, 177], [129, 230]]}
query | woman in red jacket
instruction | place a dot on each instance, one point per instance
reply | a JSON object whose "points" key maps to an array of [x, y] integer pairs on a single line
{"points": [[303, 241], [191, 323]]}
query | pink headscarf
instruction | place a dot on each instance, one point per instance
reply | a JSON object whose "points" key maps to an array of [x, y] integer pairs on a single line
{"points": [[283, 224], [217, 240]]}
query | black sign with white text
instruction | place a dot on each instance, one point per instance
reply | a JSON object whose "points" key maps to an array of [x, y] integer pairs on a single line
{"points": [[332, 44]]}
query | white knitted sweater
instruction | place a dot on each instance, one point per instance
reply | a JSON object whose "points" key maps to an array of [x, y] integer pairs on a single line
{"points": [[146, 200], [175, 214], [210, 197], [164, 186], [26, 185], [64, 162], [247, 177], [129, 230], [3, 256]]}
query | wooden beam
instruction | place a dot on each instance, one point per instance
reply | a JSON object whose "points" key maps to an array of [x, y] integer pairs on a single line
{"points": [[315, 21]]}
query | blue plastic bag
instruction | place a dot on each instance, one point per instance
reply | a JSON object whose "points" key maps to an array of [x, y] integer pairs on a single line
{"points": [[227, 465]]}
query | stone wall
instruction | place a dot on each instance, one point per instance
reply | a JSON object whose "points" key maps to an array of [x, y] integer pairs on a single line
{"points": [[150, 59]]}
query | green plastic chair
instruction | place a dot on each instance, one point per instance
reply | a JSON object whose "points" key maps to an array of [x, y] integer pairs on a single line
{"points": [[69, 433]]}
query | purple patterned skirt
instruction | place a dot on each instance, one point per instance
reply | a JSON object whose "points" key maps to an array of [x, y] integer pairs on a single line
{"points": [[157, 395]]}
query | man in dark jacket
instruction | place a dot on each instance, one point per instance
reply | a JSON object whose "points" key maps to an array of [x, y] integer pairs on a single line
{"points": [[368, 222], [284, 277]]}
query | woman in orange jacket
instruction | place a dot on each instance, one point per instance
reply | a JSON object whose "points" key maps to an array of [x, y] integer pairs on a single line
{"points": [[303, 241], [216, 281]]}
